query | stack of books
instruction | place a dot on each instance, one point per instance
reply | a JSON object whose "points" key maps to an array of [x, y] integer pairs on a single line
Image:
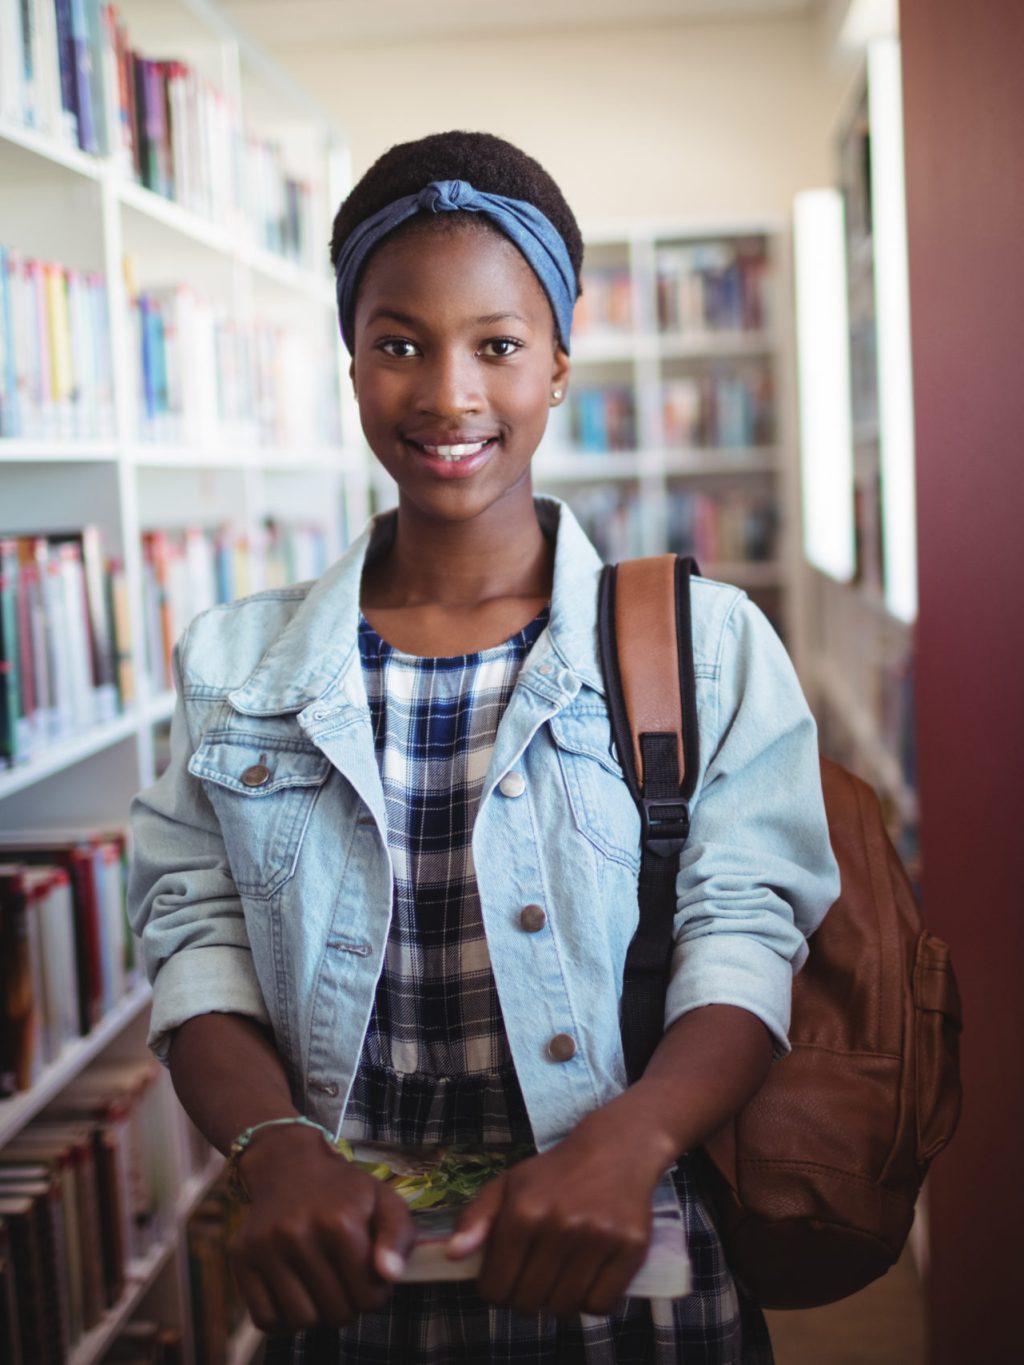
{"points": [[87, 1193], [68, 956], [65, 647], [67, 68], [731, 407], [55, 359], [188, 570], [719, 286], [206, 378], [721, 528]]}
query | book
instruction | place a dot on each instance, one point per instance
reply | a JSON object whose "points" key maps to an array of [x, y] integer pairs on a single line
{"points": [[437, 1183]]}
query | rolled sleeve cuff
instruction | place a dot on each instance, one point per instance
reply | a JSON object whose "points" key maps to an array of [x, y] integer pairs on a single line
{"points": [[731, 969], [214, 980]]}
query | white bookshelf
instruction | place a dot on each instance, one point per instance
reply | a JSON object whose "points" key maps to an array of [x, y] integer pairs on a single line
{"points": [[84, 212], [640, 358]]}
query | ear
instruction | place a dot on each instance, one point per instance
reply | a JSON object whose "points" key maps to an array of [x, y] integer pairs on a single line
{"points": [[352, 373], [560, 373]]}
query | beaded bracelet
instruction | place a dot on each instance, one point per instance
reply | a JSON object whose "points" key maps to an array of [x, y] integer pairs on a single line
{"points": [[235, 1184]]}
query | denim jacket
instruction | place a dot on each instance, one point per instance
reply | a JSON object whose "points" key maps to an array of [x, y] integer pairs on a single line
{"points": [[261, 881]]}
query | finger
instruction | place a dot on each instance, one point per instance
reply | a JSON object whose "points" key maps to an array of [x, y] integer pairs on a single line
{"points": [[292, 1306], [508, 1247], [614, 1278], [571, 1291], [258, 1300], [558, 1257], [348, 1247], [477, 1219], [393, 1235], [315, 1270]]}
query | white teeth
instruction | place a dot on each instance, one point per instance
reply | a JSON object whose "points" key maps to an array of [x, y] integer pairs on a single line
{"points": [[457, 452]]}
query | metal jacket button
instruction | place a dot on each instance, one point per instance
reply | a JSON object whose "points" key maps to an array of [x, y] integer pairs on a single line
{"points": [[532, 918], [256, 776], [512, 784], [562, 1047]]}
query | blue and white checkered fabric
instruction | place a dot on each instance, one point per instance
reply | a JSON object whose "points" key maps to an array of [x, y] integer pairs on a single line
{"points": [[436, 1065]]}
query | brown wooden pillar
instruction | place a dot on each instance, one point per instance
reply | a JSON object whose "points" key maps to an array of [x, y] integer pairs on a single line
{"points": [[963, 72]]}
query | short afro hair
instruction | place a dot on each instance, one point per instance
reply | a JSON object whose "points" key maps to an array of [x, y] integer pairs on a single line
{"points": [[486, 162]]}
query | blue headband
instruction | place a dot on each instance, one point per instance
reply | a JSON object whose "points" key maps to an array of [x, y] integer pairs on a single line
{"points": [[534, 234]]}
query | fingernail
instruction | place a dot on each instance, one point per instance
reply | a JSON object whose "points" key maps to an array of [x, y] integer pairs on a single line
{"points": [[460, 1243], [391, 1264]]}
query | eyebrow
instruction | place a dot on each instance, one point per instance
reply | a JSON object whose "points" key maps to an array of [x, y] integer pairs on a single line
{"points": [[410, 321]]}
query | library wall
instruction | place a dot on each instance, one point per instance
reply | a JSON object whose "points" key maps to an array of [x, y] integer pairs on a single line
{"points": [[683, 121], [965, 203]]}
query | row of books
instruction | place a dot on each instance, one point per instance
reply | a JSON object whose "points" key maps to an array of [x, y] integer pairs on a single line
{"points": [[65, 650], [67, 68], [713, 286], [719, 407], [56, 377], [204, 377], [87, 1192], [606, 303], [614, 517], [68, 956], [721, 528], [186, 571]]}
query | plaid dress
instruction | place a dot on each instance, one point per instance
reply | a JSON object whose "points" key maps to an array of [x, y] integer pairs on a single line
{"points": [[436, 1065]]}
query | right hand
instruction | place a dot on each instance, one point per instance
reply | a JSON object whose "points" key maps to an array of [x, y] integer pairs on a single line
{"points": [[321, 1240]]}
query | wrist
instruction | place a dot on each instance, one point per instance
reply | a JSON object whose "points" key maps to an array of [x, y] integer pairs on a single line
{"points": [[263, 1151], [632, 1126]]}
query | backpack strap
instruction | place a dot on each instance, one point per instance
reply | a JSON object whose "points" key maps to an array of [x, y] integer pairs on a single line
{"points": [[646, 648]]}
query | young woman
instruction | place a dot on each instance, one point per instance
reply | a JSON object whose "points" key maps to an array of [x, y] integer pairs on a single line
{"points": [[388, 881]]}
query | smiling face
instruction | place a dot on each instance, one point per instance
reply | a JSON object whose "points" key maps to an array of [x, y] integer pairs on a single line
{"points": [[455, 363]]}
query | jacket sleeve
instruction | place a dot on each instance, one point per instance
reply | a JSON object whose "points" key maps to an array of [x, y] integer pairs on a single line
{"points": [[182, 900], [757, 875]]}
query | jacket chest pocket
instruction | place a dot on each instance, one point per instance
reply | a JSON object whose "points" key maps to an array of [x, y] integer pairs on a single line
{"points": [[262, 789], [603, 810]]}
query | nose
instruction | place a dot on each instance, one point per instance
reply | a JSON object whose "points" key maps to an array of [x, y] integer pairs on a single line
{"points": [[450, 384]]}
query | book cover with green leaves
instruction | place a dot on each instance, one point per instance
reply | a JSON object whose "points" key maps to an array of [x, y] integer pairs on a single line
{"points": [[438, 1182]]}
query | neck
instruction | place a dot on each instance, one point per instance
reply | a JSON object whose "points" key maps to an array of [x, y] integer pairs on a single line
{"points": [[500, 553]]}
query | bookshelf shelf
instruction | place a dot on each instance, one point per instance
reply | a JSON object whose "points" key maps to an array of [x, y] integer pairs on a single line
{"points": [[19, 1109], [746, 573], [38, 148], [159, 708], [141, 1275], [58, 451], [57, 757]]}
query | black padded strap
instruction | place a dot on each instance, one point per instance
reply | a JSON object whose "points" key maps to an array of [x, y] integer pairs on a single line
{"points": [[665, 823]]}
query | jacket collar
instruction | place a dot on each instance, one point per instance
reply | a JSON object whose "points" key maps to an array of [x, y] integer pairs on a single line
{"points": [[311, 660]]}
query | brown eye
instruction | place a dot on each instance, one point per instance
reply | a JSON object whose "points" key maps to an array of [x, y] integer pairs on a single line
{"points": [[398, 347], [501, 347]]}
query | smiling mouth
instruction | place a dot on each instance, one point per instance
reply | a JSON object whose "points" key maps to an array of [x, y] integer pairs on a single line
{"points": [[460, 451]]}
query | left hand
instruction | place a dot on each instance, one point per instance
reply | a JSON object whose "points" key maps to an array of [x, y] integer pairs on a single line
{"points": [[567, 1230]]}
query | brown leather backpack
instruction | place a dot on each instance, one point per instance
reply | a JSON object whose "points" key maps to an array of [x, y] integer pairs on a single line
{"points": [[813, 1183]]}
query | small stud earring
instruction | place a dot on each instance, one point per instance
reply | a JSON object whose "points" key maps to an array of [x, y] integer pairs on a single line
{"points": [[556, 394]]}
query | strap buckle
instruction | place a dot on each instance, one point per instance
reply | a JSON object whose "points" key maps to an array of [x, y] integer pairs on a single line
{"points": [[666, 824]]}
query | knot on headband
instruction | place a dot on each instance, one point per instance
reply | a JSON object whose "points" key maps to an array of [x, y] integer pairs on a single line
{"points": [[530, 230]]}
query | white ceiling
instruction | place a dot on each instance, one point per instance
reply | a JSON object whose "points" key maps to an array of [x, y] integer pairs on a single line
{"points": [[276, 25]]}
